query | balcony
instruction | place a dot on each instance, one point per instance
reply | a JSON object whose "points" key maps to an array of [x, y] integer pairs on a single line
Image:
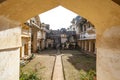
{"points": [[86, 36], [90, 30]]}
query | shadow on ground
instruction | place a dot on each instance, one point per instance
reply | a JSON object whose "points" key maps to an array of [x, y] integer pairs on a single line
{"points": [[81, 60], [51, 52]]}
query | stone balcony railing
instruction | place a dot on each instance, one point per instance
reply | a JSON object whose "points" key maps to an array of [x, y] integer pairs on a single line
{"points": [[86, 36], [90, 30]]}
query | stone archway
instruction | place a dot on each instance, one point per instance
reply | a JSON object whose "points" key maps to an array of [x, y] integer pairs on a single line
{"points": [[105, 15]]}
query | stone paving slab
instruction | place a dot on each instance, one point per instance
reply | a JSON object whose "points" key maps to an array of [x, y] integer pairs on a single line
{"points": [[58, 71]]}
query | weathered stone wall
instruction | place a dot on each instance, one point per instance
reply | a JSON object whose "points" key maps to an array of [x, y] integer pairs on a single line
{"points": [[9, 64], [10, 34], [108, 55], [10, 41]]}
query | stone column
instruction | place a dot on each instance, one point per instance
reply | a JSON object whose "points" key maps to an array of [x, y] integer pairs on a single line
{"points": [[86, 45], [29, 47], [47, 44], [81, 44], [108, 54], [43, 44], [22, 56], [34, 40], [89, 46], [95, 47], [22, 50], [10, 43], [82, 28]]}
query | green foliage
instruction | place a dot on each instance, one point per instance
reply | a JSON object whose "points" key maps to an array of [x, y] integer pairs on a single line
{"points": [[31, 76], [31, 57], [90, 75], [22, 64]]}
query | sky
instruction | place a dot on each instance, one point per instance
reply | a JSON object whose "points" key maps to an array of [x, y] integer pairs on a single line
{"points": [[58, 17]]}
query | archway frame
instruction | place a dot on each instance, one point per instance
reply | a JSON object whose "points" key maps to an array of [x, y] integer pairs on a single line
{"points": [[105, 15]]}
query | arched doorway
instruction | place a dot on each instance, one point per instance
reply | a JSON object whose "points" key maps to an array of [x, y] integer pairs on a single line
{"points": [[105, 15]]}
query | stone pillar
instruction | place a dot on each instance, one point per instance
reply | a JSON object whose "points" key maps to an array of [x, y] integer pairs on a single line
{"points": [[95, 47], [108, 54], [42, 34], [89, 46], [92, 46], [81, 44], [22, 55], [29, 47], [78, 42], [47, 44], [43, 44], [86, 45], [9, 64], [10, 43], [82, 28], [52, 43], [21, 52], [34, 43]]}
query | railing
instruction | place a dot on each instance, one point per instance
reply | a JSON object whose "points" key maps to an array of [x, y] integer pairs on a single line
{"points": [[91, 29], [83, 36], [88, 38]]}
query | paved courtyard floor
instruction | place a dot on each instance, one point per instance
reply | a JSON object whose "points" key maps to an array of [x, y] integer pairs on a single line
{"points": [[53, 65], [58, 68]]}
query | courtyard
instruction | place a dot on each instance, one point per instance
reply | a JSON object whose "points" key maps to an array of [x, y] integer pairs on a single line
{"points": [[73, 63]]}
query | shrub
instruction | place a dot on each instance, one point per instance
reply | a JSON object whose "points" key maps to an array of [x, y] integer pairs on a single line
{"points": [[31, 76], [31, 57], [90, 75]]}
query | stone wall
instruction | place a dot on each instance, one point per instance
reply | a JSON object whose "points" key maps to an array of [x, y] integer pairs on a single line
{"points": [[10, 34], [9, 64], [108, 55], [10, 42]]}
